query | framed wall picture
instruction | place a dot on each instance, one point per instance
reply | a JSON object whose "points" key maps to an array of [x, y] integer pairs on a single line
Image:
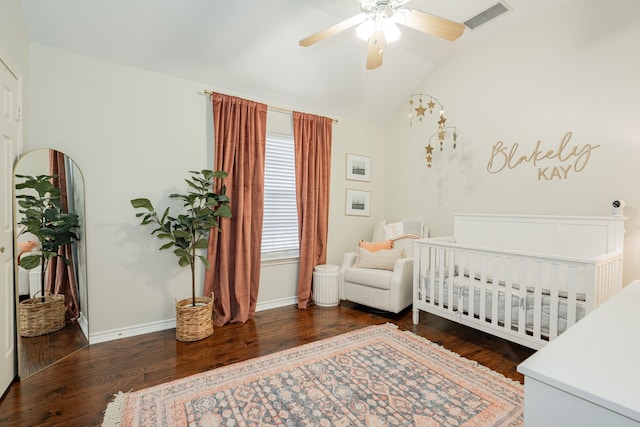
{"points": [[358, 202], [358, 167]]}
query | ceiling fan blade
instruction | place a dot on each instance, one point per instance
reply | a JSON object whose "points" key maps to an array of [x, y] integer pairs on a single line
{"points": [[376, 48], [434, 25], [334, 29]]}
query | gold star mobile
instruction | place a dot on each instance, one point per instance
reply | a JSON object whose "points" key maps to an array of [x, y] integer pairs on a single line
{"points": [[420, 110], [442, 120], [442, 135], [429, 157]]}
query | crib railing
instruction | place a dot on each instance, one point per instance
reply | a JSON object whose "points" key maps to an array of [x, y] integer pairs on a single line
{"points": [[524, 297]]}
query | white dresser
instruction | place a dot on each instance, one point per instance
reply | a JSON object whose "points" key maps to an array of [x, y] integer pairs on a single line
{"points": [[589, 375]]}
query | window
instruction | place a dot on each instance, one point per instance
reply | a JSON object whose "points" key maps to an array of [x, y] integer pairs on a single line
{"points": [[280, 223]]}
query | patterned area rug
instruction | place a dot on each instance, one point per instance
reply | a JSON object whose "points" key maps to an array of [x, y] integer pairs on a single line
{"points": [[376, 376]]}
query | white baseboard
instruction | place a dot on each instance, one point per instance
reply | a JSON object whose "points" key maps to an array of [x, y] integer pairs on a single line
{"points": [[84, 325], [276, 303], [131, 331]]}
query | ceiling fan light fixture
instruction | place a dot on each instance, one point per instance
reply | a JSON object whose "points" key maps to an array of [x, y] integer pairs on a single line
{"points": [[368, 27], [377, 23], [365, 29], [391, 32]]}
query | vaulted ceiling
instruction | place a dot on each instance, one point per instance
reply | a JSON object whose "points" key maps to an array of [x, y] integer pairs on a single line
{"points": [[250, 47]]}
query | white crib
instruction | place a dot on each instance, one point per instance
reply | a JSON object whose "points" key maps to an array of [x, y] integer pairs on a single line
{"points": [[521, 277]]}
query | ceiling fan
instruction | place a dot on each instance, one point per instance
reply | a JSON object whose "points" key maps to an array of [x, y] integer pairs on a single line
{"points": [[377, 24]]}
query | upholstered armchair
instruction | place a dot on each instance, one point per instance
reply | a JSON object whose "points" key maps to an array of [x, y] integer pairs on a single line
{"points": [[379, 274]]}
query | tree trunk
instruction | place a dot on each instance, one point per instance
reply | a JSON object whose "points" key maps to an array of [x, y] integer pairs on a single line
{"points": [[193, 271]]}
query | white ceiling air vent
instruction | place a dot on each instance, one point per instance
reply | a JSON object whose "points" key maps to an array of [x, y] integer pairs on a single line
{"points": [[486, 16]]}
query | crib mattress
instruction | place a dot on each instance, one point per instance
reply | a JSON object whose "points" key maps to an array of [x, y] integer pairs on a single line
{"points": [[480, 290]]}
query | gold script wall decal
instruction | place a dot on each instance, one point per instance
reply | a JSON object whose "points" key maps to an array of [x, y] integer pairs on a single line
{"points": [[568, 158]]}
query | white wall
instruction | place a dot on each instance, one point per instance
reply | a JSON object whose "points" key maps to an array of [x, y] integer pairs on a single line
{"points": [[136, 134], [577, 71], [14, 48], [364, 139], [13, 34]]}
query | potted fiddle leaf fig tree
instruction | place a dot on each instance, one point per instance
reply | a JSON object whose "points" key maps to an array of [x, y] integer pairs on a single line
{"points": [[187, 233], [43, 216]]}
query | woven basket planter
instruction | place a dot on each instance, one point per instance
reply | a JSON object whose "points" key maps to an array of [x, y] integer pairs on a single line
{"points": [[38, 317], [194, 323]]}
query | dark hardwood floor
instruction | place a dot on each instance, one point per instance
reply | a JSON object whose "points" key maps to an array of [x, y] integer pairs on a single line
{"points": [[76, 390], [37, 353]]}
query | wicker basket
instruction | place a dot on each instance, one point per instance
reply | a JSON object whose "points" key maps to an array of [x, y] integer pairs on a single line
{"points": [[194, 323], [38, 317]]}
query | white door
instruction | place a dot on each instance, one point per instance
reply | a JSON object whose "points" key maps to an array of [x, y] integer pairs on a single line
{"points": [[9, 117]]}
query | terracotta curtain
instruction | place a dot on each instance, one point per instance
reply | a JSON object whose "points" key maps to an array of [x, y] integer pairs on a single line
{"points": [[240, 128], [61, 277], [312, 141]]}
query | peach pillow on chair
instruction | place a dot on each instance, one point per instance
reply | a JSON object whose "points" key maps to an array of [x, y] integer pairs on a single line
{"points": [[27, 246], [383, 259], [375, 246]]}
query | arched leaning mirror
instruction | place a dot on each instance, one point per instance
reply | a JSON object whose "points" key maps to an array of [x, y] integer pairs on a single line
{"points": [[51, 278]]}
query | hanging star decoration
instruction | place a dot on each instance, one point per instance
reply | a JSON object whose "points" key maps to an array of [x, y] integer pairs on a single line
{"points": [[429, 157], [442, 134], [442, 120], [420, 110]]}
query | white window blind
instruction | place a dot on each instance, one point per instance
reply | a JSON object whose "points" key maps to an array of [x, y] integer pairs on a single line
{"points": [[280, 223]]}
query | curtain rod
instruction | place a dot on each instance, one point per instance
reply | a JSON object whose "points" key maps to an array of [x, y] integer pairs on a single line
{"points": [[270, 107]]}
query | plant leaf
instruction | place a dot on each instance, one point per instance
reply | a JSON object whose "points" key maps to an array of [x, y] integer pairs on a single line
{"points": [[166, 246], [224, 211], [181, 252], [142, 203], [202, 243], [30, 262], [181, 234], [205, 261]]}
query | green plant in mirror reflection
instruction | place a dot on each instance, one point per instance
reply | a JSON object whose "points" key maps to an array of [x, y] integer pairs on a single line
{"points": [[45, 218]]}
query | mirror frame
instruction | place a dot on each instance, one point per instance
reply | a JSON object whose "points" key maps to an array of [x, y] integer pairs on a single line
{"points": [[58, 344]]}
